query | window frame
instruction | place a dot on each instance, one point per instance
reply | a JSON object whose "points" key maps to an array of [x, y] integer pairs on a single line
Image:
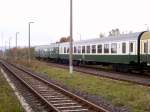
{"points": [[149, 46], [112, 52], [74, 49], [106, 49], [79, 50], [64, 50], [88, 50], [124, 46], [99, 49], [68, 50], [83, 49], [93, 49], [131, 48], [145, 47]]}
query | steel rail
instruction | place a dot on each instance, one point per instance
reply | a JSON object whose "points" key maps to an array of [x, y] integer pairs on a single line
{"points": [[51, 107], [84, 102]]}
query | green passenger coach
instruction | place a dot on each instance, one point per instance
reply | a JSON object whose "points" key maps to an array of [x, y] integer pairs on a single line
{"points": [[121, 51]]}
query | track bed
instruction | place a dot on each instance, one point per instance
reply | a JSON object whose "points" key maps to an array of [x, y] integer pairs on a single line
{"points": [[53, 98]]}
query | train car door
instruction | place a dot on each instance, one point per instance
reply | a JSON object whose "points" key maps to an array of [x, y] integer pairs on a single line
{"points": [[146, 50], [148, 53]]}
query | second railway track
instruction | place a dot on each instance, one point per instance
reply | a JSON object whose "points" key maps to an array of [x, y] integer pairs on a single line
{"points": [[127, 77], [55, 98]]}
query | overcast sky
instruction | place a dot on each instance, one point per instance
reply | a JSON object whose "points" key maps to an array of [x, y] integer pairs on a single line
{"points": [[51, 17]]}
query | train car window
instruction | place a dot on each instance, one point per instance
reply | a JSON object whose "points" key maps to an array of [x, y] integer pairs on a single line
{"points": [[67, 50], [145, 47], [131, 47], [93, 48], [123, 47], [60, 49], [106, 48], [114, 48], [149, 46], [87, 49], [75, 49], [64, 49], [79, 49], [83, 49], [99, 48], [45, 50]]}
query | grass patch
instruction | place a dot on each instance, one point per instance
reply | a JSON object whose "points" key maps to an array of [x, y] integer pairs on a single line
{"points": [[119, 93], [8, 100]]}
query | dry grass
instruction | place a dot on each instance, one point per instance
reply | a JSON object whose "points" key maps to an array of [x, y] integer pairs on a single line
{"points": [[119, 93], [8, 100]]}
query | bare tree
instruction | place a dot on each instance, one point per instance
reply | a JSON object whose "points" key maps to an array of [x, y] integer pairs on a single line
{"points": [[65, 39], [101, 35], [114, 32]]}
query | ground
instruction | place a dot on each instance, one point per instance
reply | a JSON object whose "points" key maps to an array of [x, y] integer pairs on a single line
{"points": [[8, 100], [121, 94]]}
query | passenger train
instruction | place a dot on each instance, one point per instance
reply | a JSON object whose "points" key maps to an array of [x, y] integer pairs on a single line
{"points": [[124, 52]]}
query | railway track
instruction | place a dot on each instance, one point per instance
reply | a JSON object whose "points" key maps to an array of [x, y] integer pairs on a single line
{"points": [[53, 97], [127, 77]]}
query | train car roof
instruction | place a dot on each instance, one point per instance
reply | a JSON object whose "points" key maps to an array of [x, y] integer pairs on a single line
{"points": [[46, 46], [122, 37], [39, 46]]}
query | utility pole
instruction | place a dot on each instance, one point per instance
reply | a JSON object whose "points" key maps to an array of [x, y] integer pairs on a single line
{"points": [[9, 42], [9, 47], [16, 38], [5, 50], [147, 27], [29, 52], [79, 35], [71, 38], [2, 45], [16, 43]]}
